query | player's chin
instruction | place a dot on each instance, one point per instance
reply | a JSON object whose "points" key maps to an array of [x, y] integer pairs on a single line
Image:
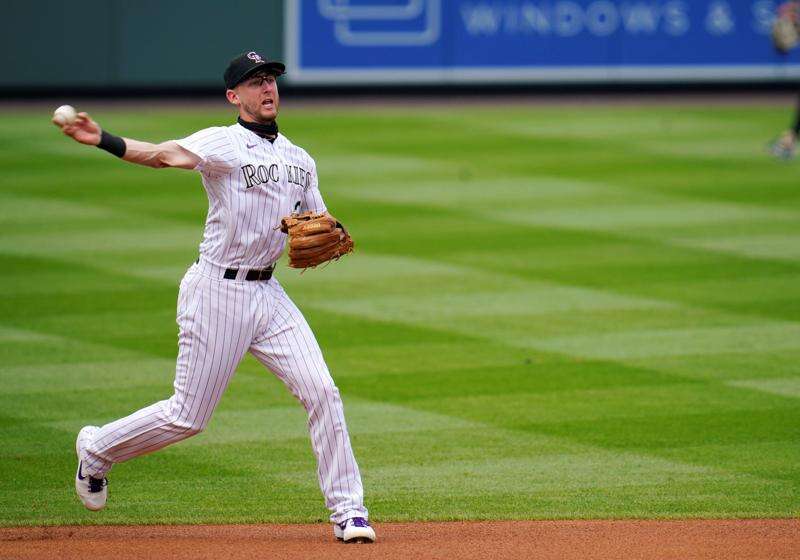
{"points": [[268, 112]]}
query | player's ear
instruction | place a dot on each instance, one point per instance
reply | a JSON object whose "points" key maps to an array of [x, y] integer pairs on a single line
{"points": [[232, 97]]}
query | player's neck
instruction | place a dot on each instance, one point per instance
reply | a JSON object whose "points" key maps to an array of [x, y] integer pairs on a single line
{"points": [[265, 130]]}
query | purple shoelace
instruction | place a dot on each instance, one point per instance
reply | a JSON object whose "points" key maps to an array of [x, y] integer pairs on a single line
{"points": [[356, 522]]}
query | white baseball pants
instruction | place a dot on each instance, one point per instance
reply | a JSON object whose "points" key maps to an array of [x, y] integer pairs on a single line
{"points": [[219, 321]]}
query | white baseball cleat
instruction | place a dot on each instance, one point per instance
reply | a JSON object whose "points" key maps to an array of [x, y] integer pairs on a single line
{"points": [[93, 492], [354, 530], [785, 147]]}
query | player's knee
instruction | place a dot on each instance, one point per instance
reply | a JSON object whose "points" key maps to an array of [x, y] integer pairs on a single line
{"points": [[194, 429], [188, 426], [325, 393], [182, 419]]}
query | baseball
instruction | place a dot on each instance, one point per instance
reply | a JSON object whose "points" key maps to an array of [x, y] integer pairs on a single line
{"points": [[64, 115]]}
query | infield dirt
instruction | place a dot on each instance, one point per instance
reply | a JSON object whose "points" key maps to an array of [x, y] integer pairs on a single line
{"points": [[772, 539]]}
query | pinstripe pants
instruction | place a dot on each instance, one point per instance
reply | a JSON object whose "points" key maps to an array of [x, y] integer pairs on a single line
{"points": [[219, 321]]}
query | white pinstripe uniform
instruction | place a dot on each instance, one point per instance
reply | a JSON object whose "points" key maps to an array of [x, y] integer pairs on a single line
{"points": [[251, 184]]}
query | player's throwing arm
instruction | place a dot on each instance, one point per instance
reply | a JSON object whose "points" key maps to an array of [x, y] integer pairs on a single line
{"points": [[83, 129]]}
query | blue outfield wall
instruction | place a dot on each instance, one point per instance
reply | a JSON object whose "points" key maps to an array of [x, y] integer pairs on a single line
{"points": [[107, 44], [530, 41]]}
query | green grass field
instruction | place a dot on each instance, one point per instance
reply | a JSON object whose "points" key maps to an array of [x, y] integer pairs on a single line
{"points": [[553, 312]]}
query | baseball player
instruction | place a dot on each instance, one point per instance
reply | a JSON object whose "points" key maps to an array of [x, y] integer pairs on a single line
{"points": [[229, 301], [785, 146], [785, 36]]}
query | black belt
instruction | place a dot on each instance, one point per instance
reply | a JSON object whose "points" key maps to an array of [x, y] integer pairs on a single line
{"points": [[252, 274]]}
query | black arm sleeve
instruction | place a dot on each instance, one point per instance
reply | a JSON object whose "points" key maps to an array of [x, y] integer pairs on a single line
{"points": [[112, 144]]}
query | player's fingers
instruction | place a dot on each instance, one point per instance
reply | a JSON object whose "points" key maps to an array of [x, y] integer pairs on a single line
{"points": [[83, 115]]}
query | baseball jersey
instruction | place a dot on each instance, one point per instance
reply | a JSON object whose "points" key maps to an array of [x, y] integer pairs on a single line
{"points": [[251, 184]]}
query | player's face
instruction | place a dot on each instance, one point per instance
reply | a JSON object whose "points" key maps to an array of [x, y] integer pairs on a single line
{"points": [[257, 98]]}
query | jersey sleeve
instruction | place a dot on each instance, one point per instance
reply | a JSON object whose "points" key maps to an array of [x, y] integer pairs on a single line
{"points": [[312, 198], [214, 147]]}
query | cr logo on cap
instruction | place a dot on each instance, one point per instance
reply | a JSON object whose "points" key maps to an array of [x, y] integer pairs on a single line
{"points": [[255, 57]]}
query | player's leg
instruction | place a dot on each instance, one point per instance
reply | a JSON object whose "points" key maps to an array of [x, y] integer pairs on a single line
{"points": [[287, 346], [217, 322], [785, 146], [790, 136]]}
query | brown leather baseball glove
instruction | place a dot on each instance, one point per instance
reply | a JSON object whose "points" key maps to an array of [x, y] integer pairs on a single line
{"points": [[315, 239]]}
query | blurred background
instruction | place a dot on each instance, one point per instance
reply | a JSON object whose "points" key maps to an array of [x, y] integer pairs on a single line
{"points": [[153, 45]]}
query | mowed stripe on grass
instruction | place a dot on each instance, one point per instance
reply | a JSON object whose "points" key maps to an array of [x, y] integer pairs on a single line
{"points": [[561, 314]]}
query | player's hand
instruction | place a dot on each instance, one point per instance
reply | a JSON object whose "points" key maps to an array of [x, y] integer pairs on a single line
{"points": [[83, 130]]}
